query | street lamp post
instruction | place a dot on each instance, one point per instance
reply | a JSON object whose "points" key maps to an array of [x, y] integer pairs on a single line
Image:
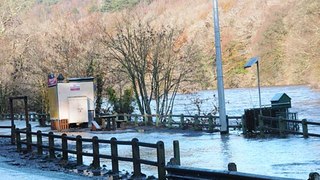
{"points": [[255, 60]]}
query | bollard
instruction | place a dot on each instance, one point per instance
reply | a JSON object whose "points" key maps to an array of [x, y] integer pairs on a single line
{"points": [[39, 143], [64, 145], [51, 146], [181, 121], [305, 128], [232, 167], [29, 138], [95, 151], [161, 161], [136, 158], [176, 152], [79, 150], [18, 139], [114, 155]]}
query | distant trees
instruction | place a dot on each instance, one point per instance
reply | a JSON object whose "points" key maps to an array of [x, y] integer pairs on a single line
{"points": [[153, 61]]}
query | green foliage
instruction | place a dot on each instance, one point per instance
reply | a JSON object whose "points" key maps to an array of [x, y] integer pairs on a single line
{"points": [[122, 104], [116, 5]]}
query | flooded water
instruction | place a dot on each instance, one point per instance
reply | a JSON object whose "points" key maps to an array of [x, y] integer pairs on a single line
{"points": [[293, 157]]}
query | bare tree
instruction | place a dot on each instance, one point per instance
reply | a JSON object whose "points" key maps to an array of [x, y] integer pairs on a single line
{"points": [[153, 61]]}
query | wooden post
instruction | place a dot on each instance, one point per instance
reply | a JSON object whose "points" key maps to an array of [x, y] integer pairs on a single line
{"points": [[305, 128], [79, 150], [244, 125], [29, 138], [114, 125], [39, 142], [170, 120], [12, 121], [114, 155], [64, 145], [157, 120], [176, 152], [261, 125], [161, 160], [181, 121], [95, 151], [210, 123], [281, 126], [136, 158], [18, 139], [232, 167], [13, 134], [136, 120], [196, 122], [51, 146], [25, 98]]}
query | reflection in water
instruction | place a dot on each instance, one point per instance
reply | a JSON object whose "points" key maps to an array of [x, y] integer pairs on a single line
{"points": [[225, 148]]}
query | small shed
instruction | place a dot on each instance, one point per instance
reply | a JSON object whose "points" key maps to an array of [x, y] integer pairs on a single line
{"points": [[72, 102], [281, 101]]}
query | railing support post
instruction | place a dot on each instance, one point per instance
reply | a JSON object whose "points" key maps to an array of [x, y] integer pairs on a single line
{"points": [[281, 126], [79, 150], [18, 139], [261, 125], [51, 146], [305, 128], [64, 147], [114, 155], [39, 143], [29, 138], [161, 160], [176, 152], [95, 150], [181, 121], [210, 120], [13, 134], [136, 158]]}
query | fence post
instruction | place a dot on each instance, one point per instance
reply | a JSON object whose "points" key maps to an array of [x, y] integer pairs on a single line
{"points": [[244, 125], [64, 145], [114, 155], [51, 146], [136, 120], [196, 122], [181, 121], [114, 124], [176, 152], [210, 123], [281, 126], [170, 120], [18, 139], [161, 160], [29, 138], [39, 142], [157, 120], [79, 150], [95, 151], [232, 167], [13, 134], [136, 158], [261, 125], [305, 128]]}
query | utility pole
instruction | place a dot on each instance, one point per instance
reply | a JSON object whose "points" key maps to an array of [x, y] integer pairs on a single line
{"points": [[222, 109]]}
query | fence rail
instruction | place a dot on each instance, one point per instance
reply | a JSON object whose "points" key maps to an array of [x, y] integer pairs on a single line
{"points": [[197, 122], [96, 155], [282, 126]]}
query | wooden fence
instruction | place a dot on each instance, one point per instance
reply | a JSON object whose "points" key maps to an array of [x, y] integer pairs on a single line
{"points": [[283, 126], [96, 143], [198, 122]]}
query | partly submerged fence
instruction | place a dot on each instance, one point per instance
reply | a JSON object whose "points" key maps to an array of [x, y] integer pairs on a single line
{"points": [[286, 126], [197, 122], [96, 154]]}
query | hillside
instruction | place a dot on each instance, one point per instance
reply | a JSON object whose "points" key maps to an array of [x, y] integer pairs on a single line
{"points": [[64, 36]]}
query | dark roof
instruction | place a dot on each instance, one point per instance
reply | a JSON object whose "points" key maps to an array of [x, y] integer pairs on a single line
{"points": [[83, 79], [278, 96]]}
